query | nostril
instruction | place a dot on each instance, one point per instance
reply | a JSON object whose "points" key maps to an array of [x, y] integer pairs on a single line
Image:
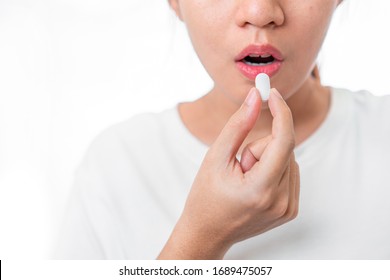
{"points": [[272, 24], [260, 14]]}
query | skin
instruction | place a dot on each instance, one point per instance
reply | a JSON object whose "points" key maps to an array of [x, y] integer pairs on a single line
{"points": [[233, 200]]}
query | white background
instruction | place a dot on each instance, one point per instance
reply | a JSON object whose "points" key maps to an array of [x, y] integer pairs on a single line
{"points": [[70, 68]]}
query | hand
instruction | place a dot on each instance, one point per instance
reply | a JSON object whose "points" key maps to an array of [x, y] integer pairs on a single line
{"points": [[230, 200]]}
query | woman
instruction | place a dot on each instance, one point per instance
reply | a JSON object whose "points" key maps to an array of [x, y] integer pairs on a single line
{"points": [[218, 178]]}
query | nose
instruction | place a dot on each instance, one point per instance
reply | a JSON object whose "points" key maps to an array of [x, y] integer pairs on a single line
{"points": [[259, 13]]}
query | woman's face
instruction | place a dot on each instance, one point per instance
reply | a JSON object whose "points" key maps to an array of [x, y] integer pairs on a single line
{"points": [[237, 39]]}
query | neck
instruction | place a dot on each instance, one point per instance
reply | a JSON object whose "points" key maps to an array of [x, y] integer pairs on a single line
{"points": [[206, 116]]}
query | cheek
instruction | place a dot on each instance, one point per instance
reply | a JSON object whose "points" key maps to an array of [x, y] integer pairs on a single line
{"points": [[314, 23], [207, 23], [303, 46], [204, 20], [210, 40]]}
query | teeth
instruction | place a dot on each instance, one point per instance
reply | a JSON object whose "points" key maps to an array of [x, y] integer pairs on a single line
{"points": [[262, 56], [257, 64]]}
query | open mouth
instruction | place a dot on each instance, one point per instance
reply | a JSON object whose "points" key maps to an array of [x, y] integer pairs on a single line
{"points": [[258, 60]]}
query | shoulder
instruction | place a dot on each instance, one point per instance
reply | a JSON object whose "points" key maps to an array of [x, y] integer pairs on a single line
{"points": [[135, 128], [364, 106], [363, 99], [366, 115], [123, 157], [116, 175], [130, 143], [139, 130]]}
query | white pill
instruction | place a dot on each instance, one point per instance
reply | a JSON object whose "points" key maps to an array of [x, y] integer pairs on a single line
{"points": [[263, 84]]}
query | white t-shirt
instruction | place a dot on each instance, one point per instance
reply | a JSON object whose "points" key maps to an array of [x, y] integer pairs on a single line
{"points": [[133, 182]]}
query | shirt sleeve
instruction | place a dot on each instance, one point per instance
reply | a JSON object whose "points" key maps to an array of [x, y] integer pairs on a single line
{"points": [[91, 228], [77, 238]]}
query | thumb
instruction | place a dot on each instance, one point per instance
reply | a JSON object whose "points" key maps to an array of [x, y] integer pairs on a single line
{"points": [[237, 128]]}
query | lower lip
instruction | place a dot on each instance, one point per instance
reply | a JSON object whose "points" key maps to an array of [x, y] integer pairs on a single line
{"points": [[251, 71]]}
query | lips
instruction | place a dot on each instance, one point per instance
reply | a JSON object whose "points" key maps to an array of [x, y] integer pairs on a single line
{"points": [[256, 59]]}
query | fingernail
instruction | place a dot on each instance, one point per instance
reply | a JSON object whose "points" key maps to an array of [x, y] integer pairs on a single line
{"points": [[276, 92], [251, 98]]}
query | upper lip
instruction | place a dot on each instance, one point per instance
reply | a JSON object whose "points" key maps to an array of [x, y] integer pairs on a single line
{"points": [[264, 49]]}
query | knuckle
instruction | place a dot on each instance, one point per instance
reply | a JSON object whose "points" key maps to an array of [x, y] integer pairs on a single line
{"points": [[290, 143], [281, 207], [296, 167], [289, 133], [261, 201], [295, 213], [286, 114], [293, 158]]}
